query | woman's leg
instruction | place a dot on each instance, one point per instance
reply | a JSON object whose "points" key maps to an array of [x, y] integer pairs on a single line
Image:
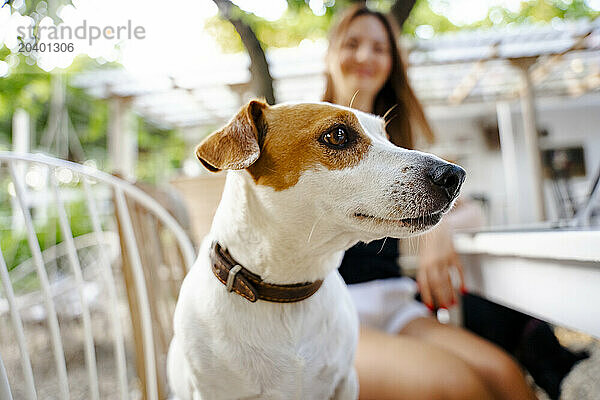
{"points": [[498, 370], [402, 367]]}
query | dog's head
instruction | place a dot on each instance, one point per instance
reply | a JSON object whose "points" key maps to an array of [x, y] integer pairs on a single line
{"points": [[340, 163]]}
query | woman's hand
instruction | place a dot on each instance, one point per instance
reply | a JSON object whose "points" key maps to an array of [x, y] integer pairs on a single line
{"points": [[437, 259]]}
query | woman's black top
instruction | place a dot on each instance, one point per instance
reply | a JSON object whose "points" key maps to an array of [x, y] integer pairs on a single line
{"points": [[369, 261]]}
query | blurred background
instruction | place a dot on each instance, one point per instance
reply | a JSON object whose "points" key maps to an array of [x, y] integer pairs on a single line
{"points": [[511, 88], [138, 106]]}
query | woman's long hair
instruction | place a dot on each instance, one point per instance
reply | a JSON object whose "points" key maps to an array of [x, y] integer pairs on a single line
{"points": [[406, 113]]}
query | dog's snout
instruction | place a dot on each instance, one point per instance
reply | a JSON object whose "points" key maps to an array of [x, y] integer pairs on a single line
{"points": [[448, 177]]}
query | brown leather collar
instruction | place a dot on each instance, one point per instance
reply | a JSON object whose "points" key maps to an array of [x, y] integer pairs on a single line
{"points": [[251, 286]]}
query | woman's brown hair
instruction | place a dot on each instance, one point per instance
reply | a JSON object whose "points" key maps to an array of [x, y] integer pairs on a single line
{"points": [[396, 93]]}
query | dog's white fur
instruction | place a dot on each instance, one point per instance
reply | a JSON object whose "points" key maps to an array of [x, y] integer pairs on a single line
{"points": [[228, 348]]}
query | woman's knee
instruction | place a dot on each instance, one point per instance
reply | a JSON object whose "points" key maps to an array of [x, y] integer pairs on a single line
{"points": [[392, 367], [502, 368], [494, 366], [460, 383]]}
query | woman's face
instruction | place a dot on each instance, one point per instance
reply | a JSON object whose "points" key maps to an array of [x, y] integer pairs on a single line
{"points": [[363, 62]]}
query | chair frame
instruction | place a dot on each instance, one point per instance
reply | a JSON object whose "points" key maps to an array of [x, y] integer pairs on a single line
{"points": [[121, 189]]}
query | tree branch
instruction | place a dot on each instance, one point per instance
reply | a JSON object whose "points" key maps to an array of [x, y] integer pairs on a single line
{"points": [[261, 80], [401, 10]]}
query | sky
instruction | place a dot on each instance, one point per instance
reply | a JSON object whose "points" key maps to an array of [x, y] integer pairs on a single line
{"points": [[173, 34]]}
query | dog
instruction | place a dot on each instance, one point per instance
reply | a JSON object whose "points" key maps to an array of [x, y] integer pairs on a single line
{"points": [[263, 312]]}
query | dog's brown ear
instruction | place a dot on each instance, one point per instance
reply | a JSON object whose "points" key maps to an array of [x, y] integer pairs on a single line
{"points": [[236, 146]]}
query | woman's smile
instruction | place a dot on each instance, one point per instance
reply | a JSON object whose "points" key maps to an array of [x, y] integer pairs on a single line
{"points": [[363, 61]]}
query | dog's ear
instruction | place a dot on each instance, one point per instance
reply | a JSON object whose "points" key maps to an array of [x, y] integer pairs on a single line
{"points": [[237, 145]]}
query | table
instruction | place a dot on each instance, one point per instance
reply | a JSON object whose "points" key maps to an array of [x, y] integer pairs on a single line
{"points": [[551, 274]]}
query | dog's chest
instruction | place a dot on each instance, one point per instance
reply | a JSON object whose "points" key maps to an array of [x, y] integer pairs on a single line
{"points": [[292, 366], [285, 351]]}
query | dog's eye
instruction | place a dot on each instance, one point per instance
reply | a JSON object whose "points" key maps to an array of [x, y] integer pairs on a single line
{"points": [[336, 137]]}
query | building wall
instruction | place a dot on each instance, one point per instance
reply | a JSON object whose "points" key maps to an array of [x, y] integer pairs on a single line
{"points": [[570, 122]]}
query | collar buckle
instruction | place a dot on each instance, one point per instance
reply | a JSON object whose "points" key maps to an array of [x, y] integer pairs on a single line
{"points": [[231, 276]]}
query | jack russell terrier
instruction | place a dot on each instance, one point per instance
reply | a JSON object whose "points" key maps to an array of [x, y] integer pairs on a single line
{"points": [[263, 313]]}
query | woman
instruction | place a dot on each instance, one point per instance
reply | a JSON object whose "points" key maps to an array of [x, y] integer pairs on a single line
{"points": [[403, 352]]}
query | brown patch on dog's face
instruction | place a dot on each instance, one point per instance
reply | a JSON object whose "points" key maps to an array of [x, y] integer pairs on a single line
{"points": [[294, 142]]}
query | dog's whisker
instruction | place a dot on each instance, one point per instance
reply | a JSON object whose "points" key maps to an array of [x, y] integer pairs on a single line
{"points": [[413, 244], [389, 120], [353, 97], [389, 111], [382, 245], [313, 228]]}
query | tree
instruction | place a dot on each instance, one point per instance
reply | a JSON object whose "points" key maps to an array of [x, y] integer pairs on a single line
{"points": [[261, 79], [400, 10]]}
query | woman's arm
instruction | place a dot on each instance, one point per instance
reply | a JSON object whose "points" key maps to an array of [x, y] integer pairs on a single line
{"points": [[437, 259]]}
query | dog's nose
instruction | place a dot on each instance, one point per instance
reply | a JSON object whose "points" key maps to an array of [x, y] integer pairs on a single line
{"points": [[449, 177]]}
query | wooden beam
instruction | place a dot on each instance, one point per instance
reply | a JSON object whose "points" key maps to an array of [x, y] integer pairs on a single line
{"points": [[122, 137], [509, 161], [468, 83], [530, 132]]}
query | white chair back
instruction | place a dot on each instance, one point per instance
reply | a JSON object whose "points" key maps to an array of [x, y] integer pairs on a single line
{"points": [[74, 279]]}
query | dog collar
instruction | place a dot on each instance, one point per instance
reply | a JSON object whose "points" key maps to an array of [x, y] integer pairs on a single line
{"points": [[251, 286]]}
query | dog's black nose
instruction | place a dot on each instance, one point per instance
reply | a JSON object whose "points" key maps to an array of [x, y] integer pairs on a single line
{"points": [[449, 177]]}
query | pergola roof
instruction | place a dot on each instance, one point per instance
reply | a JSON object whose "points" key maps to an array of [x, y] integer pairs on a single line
{"points": [[467, 66]]}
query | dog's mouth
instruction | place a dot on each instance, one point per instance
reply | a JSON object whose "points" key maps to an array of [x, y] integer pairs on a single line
{"points": [[416, 222]]}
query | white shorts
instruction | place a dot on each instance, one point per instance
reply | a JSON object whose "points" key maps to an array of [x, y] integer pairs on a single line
{"points": [[387, 304]]}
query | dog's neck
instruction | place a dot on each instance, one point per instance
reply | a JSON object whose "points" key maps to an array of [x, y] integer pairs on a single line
{"points": [[275, 234]]}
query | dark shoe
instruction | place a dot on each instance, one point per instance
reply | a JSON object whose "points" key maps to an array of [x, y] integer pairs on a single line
{"points": [[545, 358]]}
